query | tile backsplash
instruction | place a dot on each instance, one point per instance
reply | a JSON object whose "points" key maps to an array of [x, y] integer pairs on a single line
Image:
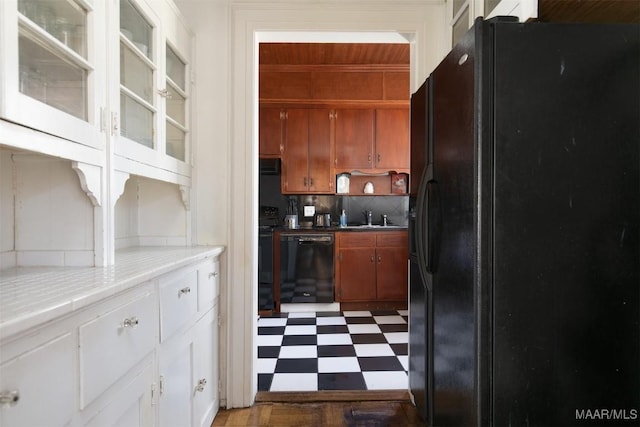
{"points": [[395, 207]]}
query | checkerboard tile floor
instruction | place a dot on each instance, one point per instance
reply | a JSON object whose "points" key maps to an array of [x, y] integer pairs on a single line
{"points": [[349, 350]]}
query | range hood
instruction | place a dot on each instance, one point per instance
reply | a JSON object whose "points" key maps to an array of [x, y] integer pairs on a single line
{"points": [[270, 166]]}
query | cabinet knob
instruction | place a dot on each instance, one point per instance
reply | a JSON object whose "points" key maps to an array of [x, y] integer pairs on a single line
{"points": [[164, 93], [201, 384], [369, 158], [130, 322], [378, 157], [214, 274], [184, 291], [373, 258], [9, 398], [379, 258]]}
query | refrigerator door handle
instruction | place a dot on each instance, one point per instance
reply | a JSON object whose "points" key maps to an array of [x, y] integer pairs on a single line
{"points": [[434, 226], [421, 225]]}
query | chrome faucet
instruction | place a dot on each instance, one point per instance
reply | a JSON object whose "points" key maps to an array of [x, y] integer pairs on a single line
{"points": [[369, 215]]}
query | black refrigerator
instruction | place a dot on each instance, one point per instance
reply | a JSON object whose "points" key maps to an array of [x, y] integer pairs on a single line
{"points": [[525, 228]]}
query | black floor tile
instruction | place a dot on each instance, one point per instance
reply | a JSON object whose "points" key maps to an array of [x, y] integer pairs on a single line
{"points": [[271, 330], [296, 366], [394, 327], [329, 314], [268, 352], [360, 320], [368, 339], [332, 329], [264, 382], [299, 340], [342, 381], [384, 313], [336, 351], [386, 363], [301, 321], [400, 349]]}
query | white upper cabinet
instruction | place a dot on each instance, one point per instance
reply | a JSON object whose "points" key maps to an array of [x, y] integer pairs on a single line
{"points": [[98, 74], [53, 74], [154, 52], [523, 9]]}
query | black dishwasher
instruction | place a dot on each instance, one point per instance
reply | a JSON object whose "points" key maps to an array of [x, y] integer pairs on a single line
{"points": [[306, 268]]}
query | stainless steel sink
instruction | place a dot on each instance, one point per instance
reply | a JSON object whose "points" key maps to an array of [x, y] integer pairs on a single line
{"points": [[375, 226]]}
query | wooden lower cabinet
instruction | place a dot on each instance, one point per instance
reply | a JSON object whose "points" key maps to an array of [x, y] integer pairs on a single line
{"points": [[371, 267]]}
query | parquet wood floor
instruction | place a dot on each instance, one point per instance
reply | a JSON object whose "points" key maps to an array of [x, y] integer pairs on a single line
{"points": [[324, 409]]}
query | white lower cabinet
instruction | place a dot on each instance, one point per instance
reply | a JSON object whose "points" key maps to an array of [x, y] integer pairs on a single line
{"points": [[132, 405], [112, 343], [176, 367], [106, 365], [188, 362], [36, 387], [206, 369]]}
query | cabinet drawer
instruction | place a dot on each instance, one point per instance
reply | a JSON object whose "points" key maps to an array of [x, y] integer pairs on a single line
{"points": [[357, 240], [43, 382], [113, 343], [208, 284], [178, 301], [392, 239]]}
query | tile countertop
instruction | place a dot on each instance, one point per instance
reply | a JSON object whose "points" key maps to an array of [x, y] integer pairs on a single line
{"points": [[30, 296]]}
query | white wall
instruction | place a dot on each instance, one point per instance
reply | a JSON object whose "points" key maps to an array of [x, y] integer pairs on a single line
{"points": [[225, 132]]}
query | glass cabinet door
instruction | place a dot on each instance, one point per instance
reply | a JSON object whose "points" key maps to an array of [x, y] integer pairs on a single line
{"points": [[52, 54], [137, 70], [176, 125]]}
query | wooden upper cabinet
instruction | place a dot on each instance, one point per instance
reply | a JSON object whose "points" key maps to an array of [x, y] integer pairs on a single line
{"points": [[271, 131], [392, 140], [295, 154], [321, 178], [354, 139], [306, 159]]}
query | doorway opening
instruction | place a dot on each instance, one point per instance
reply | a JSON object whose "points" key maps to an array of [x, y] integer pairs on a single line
{"points": [[313, 347]]}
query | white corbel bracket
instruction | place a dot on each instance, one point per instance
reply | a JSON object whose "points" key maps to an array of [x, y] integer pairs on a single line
{"points": [[90, 180], [186, 196], [119, 179]]}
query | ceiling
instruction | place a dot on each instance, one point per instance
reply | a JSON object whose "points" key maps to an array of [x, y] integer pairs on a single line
{"points": [[334, 53], [307, 53]]}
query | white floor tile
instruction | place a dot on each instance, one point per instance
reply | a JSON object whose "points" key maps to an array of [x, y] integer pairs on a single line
{"points": [[272, 322], [298, 352], [269, 340], [356, 313], [300, 330], [302, 314], [385, 380], [294, 382], [397, 337], [404, 361], [373, 350], [338, 364], [334, 339], [364, 329], [331, 321], [267, 366], [388, 320]]}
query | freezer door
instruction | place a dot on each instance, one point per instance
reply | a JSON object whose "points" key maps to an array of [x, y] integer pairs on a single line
{"points": [[450, 216]]}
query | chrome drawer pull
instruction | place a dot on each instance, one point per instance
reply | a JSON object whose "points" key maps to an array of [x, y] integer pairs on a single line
{"points": [[201, 384], [184, 291], [214, 274], [130, 322], [9, 398]]}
